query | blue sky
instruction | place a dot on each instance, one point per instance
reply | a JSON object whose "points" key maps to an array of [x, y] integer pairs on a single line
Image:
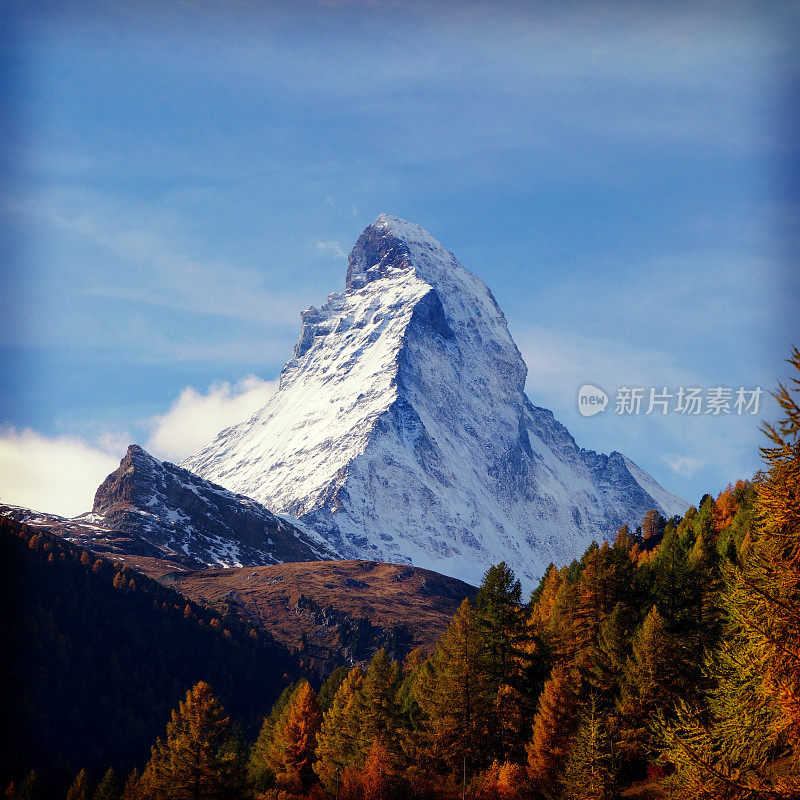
{"points": [[180, 179]]}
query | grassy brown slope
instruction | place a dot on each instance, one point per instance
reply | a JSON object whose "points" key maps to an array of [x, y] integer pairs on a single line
{"points": [[334, 612]]}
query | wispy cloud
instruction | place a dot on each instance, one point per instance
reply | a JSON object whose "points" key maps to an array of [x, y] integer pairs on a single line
{"points": [[332, 247], [682, 452], [560, 362], [685, 465], [58, 475], [162, 276]]}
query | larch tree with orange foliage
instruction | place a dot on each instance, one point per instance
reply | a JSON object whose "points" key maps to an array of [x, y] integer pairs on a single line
{"points": [[197, 759], [294, 742], [378, 778], [553, 725]]}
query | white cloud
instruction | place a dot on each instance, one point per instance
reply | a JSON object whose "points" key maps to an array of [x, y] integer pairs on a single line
{"points": [[685, 465], [58, 475], [334, 247], [194, 419]]}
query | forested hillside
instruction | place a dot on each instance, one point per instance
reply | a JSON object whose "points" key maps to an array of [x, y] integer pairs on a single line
{"points": [[97, 654]]}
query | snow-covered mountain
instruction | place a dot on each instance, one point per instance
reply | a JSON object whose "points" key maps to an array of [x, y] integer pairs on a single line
{"points": [[401, 430]]}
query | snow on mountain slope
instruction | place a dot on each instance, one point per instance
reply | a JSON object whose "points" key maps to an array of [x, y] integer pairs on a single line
{"points": [[401, 430]]}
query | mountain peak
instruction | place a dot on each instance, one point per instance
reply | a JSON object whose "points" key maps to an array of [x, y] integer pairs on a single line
{"points": [[176, 514], [401, 431], [409, 232], [392, 245]]}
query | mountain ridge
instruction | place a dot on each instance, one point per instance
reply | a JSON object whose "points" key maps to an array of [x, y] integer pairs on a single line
{"points": [[155, 511]]}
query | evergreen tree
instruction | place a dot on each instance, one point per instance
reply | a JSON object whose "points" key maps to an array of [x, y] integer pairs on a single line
{"points": [[589, 771], [502, 630], [705, 590], [79, 790], [670, 580], [497, 611], [608, 657], [413, 725], [455, 695], [329, 688], [108, 788], [650, 680], [197, 760], [377, 707]]}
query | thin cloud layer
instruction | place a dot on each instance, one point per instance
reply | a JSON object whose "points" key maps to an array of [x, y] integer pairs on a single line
{"points": [[682, 452], [332, 247], [59, 475]]}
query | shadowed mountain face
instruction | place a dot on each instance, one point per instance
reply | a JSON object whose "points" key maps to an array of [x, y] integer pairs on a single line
{"points": [[331, 612], [401, 431], [191, 517]]}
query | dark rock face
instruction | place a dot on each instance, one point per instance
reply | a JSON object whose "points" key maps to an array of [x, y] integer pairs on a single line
{"points": [[375, 253], [193, 520]]}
